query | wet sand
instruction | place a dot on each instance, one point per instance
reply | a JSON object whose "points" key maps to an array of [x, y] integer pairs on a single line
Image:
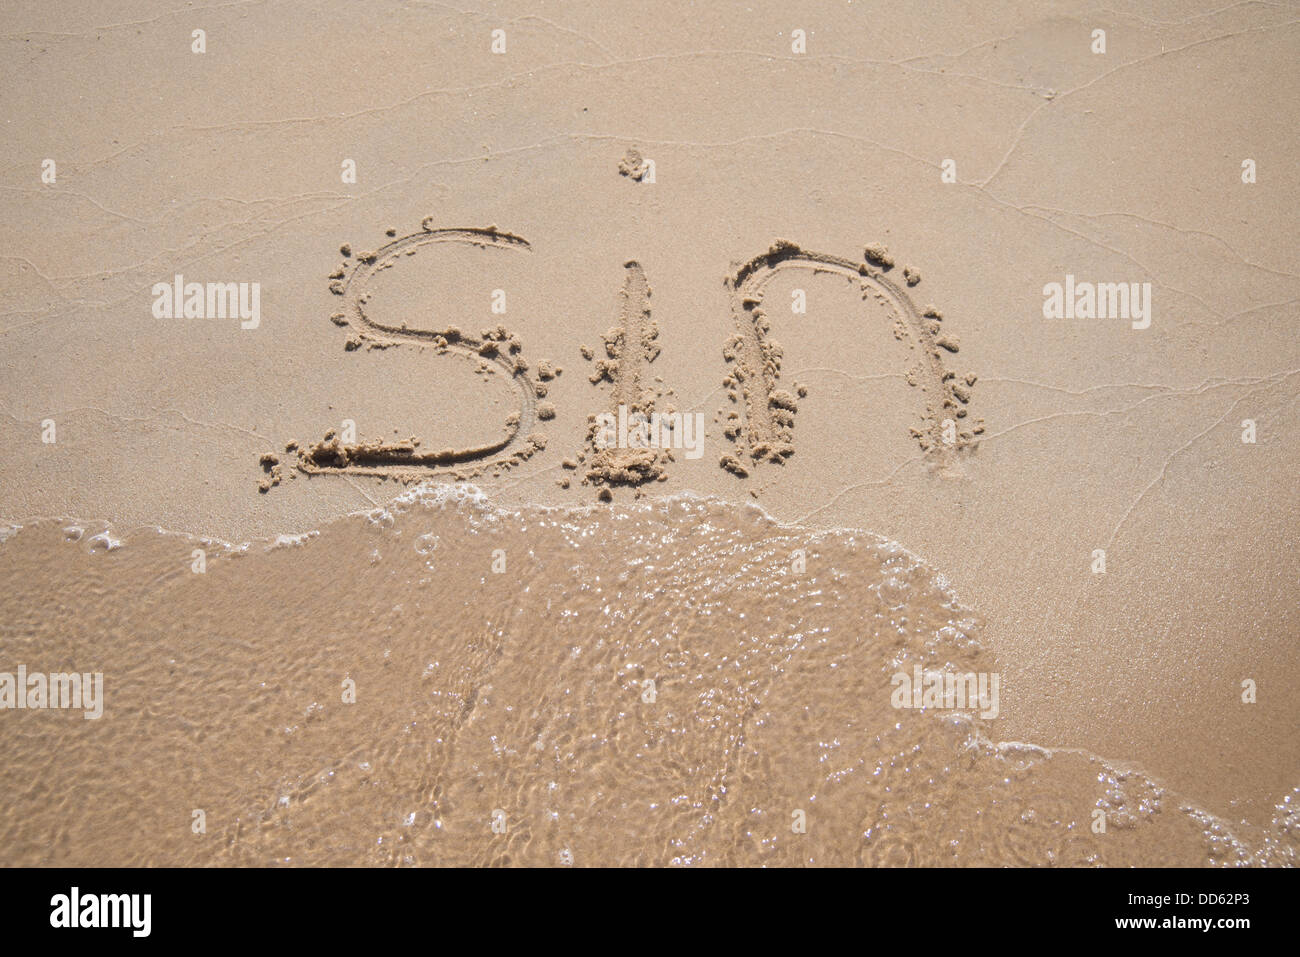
{"points": [[442, 682]]}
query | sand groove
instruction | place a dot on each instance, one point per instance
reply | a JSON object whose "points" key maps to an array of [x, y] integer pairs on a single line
{"points": [[496, 347], [754, 356], [630, 347]]}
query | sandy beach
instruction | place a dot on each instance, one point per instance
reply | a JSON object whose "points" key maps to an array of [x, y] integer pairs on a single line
{"points": [[613, 401]]}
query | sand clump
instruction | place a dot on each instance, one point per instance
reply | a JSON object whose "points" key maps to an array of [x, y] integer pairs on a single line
{"points": [[633, 165], [878, 255], [271, 465]]}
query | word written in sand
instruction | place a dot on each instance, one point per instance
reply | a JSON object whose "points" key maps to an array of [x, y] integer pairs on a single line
{"points": [[631, 444]]}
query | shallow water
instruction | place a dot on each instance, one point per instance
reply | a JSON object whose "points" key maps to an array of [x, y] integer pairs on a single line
{"points": [[500, 663]]}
